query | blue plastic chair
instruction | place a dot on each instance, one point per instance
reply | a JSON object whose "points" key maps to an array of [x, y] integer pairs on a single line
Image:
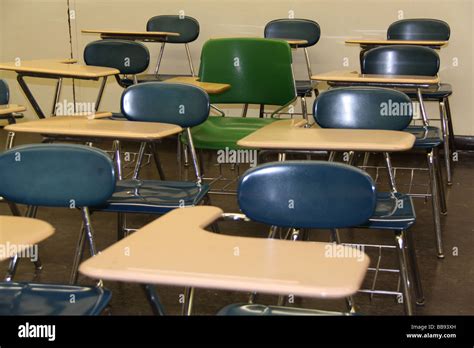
{"points": [[428, 29], [188, 29], [179, 104], [418, 61], [56, 175], [51, 299], [129, 57], [299, 29], [423, 29], [323, 195]]}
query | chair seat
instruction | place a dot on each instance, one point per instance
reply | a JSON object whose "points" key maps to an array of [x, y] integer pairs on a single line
{"points": [[51, 299], [426, 137], [154, 196], [224, 132], [160, 77], [246, 309], [305, 88], [392, 212], [443, 91]]}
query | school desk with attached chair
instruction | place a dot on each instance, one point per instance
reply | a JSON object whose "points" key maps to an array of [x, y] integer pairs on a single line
{"points": [[55, 69], [209, 260]]}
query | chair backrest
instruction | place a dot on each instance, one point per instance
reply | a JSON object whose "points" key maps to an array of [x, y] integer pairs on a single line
{"points": [[307, 194], [419, 29], [299, 29], [187, 27], [363, 108], [180, 104], [4, 92], [57, 175], [129, 57], [401, 60], [259, 70]]}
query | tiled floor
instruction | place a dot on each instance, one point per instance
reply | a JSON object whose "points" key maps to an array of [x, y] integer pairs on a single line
{"points": [[448, 283]]}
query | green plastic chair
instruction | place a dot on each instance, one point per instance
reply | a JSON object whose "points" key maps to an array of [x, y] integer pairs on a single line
{"points": [[259, 72]]}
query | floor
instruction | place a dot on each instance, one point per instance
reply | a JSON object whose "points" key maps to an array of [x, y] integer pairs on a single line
{"points": [[448, 284]]}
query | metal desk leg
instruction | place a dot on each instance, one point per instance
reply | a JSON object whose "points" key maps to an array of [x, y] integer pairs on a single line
{"points": [[29, 96], [10, 140], [101, 92], [160, 57], [391, 176], [424, 115], [57, 95]]}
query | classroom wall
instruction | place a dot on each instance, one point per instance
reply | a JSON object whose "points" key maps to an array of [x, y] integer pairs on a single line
{"points": [[38, 29]]}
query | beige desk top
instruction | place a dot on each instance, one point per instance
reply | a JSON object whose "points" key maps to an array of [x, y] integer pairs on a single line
{"points": [[209, 87], [355, 77], [57, 67], [20, 233], [82, 126], [385, 42], [291, 135], [175, 250], [138, 35], [11, 108], [295, 42]]}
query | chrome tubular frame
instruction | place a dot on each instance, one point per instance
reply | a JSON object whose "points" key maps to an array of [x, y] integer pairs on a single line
{"points": [[190, 60], [160, 57], [404, 273], [57, 95]]}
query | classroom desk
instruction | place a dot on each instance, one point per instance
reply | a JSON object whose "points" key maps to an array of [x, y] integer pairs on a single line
{"points": [[11, 109], [209, 87], [176, 250], [56, 69], [89, 129], [367, 44], [293, 135], [21, 233], [145, 36], [370, 43], [353, 78], [96, 128]]}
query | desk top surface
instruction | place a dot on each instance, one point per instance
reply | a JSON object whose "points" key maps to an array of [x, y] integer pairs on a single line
{"points": [[58, 67], [209, 87], [295, 42], [385, 42], [130, 33], [291, 135], [20, 233], [176, 250], [356, 77], [83, 126], [11, 108]]}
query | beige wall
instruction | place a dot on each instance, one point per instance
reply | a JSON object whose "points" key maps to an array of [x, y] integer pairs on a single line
{"points": [[38, 29]]}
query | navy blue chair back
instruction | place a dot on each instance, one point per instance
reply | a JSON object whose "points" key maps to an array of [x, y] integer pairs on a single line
{"points": [[187, 27], [419, 29], [363, 108], [307, 194], [299, 29], [180, 104], [56, 175], [401, 60], [129, 57], [4, 93]]}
